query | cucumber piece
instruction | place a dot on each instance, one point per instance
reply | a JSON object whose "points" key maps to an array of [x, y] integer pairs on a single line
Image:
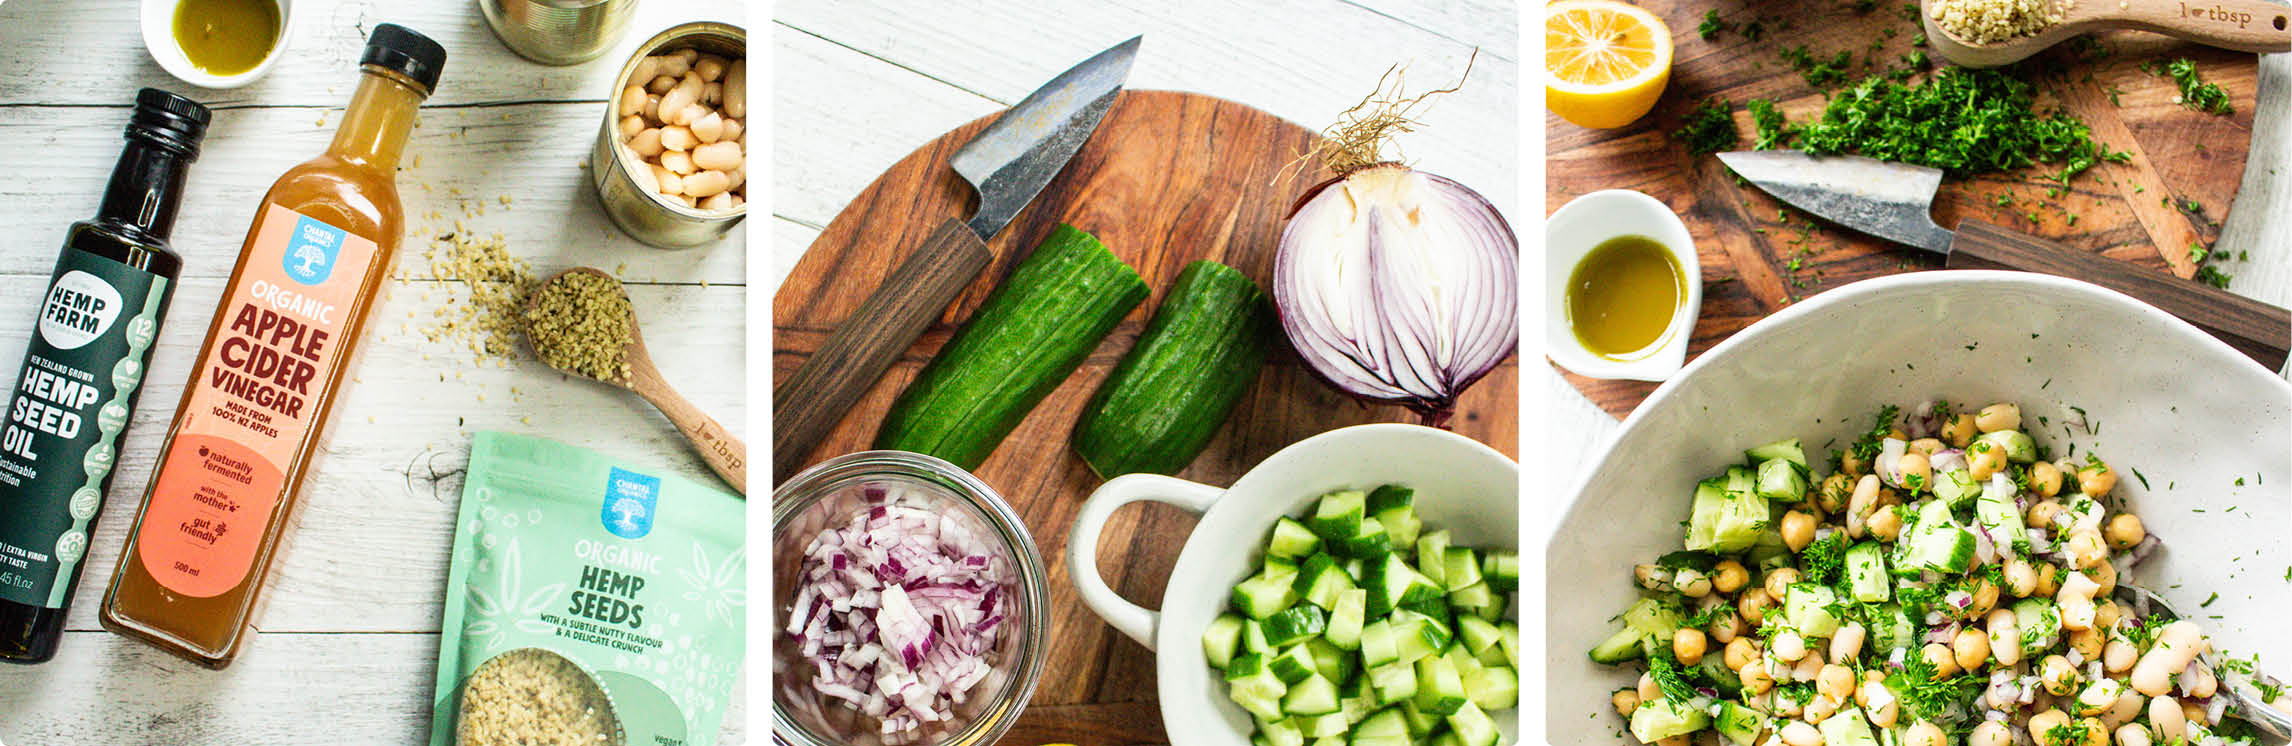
{"points": [[1955, 487], [2019, 447], [1263, 596], [1866, 577], [1781, 481], [2039, 621], [1445, 737], [1440, 689], [1806, 607], [1496, 687], [1395, 507], [1473, 727], [1253, 638], [1280, 732], [1729, 515], [1291, 539], [1432, 554], [1647, 625], [1176, 386], [1336, 740], [1394, 682], [1025, 340], [1939, 544], [1277, 566], [1417, 637], [1495, 657], [1891, 629], [1509, 641], [1786, 449], [1476, 599], [1313, 696], [1378, 645], [1738, 724], [1703, 512], [1338, 515], [1420, 723], [1325, 726], [1847, 728], [1391, 496], [1384, 727], [1999, 515], [1502, 570], [1726, 681], [1331, 662], [1392, 584], [1222, 640], [1346, 619], [1251, 683], [1460, 567], [1369, 540], [1294, 625], [1479, 634], [1661, 718], [1292, 665], [1320, 580]]}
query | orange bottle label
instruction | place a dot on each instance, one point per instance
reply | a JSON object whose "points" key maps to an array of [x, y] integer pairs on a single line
{"points": [[252, 403]]}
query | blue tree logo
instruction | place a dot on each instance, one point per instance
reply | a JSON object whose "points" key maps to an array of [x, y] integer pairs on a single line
{"points": [[311, 251]]}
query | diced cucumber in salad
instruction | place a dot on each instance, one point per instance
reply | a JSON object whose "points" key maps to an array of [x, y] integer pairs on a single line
{"points": [[1362, 628], [1942, 583]]}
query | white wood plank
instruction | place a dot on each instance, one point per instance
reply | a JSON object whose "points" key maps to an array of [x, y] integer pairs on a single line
{"points": [[369, 553], [461, 161], [346, 689], [1305, 60], [2261, 219], [90, 52], [1493, 25]]}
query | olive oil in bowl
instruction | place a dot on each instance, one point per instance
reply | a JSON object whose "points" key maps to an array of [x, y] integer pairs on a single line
{"points": [[1623, 295], [226, 37]]}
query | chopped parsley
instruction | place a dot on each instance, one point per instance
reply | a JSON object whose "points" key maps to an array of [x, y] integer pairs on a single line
{"points": [[1867, 446], [1925, 695], [2208, 600], [1960, 120], [1708, 128], [1773, 130], [1712, 26], [1824, 561], [1668, 678], [2196, 94], [1820, 73]]}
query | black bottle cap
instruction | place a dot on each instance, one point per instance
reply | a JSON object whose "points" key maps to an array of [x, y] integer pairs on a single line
{"points": [[406, 51], [169, 119]]}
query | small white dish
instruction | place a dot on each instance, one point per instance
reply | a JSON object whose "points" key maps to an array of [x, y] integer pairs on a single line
{"points": [[1583, 224], [158, 21], [1462, 486]]}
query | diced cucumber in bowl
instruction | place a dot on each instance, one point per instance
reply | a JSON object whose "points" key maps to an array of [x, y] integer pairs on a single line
{"points": [[1364, 625]]}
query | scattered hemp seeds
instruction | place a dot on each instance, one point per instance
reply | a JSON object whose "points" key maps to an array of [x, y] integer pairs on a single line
{"points": [[581, 323], [533, 696], [490, 320], [1987, 21]]}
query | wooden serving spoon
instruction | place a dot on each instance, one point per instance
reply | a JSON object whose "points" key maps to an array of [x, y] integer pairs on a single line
{"points": [[725, 454], [2241, 25]]}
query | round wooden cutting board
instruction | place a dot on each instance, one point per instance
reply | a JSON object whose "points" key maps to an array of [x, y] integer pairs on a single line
{"points": [[1756, 260], [1168, 178]]}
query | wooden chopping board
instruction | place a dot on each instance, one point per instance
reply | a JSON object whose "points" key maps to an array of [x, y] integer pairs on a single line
{"points": [[1755, 263], [1167, 179]]}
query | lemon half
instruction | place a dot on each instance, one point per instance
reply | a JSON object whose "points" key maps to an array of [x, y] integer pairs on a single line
{"points": [[1605, 62]]}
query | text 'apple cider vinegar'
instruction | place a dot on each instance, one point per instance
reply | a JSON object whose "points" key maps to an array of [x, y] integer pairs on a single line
{"points": [[253, 413]]}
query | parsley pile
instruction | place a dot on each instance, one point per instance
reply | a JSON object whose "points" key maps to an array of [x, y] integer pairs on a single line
{"points": [[1959, 120], [1709, 127], [2195, 93]]}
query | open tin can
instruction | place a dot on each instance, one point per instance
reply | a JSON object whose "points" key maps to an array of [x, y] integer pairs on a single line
{"points": [[559, 32], [640, 211]]}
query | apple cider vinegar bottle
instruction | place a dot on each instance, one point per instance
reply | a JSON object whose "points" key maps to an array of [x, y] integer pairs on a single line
{"points": [[280, 346]]}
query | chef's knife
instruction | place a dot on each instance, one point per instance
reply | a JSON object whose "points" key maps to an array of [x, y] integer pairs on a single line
{"points": [[1008, 164], [1895, 201]]}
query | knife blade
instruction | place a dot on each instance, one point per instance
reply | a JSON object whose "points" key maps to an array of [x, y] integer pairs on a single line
{"points": [[1007, 164], [1895, 201]]}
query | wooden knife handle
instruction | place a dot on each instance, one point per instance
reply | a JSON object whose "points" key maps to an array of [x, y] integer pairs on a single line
{"points": [[2258, 330], [833, 379]]}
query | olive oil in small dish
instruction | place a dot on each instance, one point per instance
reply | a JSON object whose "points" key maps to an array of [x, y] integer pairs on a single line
{"points": [[216, 43], [1623, 287]]}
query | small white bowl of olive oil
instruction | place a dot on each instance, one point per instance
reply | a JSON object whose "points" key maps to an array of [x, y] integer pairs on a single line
{"points": [[216, 43], [1624, 287]]}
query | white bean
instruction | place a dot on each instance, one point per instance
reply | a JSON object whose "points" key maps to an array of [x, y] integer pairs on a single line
{"points": [[2166, 719], [708, 127], [669, 182], [712, 94], [2177, 644], [646, 143], [2005, 637], [631, 125], [1798, 733], [2098, 697], [660, 84], [678, 139], [673, 65], [691, 113], [733, 128], [721, 156], [710, 67], [736, 90], [632, 101], [2133, 735], [705, 184], [1788, 646], [717, 201], [677, 163], [646, 69], [1990, 733]]}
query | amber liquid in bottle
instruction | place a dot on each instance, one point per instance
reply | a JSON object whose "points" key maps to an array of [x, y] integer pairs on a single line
{"points": [[253, 414]]}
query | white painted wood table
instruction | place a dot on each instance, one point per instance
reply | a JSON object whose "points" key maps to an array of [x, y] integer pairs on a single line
{"points": [[857, 86], [347, 644], [2260, 221]]}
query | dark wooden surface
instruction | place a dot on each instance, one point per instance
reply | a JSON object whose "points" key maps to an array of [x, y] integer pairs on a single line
{"points": [[1168, 178], [2258, 330], [1755, 264]]}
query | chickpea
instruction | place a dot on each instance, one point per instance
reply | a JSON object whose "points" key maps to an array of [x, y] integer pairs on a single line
{"points": [[1852, 466], [2119, 655], [1787, 646], [2195, 713], [2045, 478], [1835, 682], [2042, 513], [1756, 679], [1683, 739], [2044, 723], [1648, 691], [1984, 459], [1831, 496], [2124, 530], [1985, 595], [1752, 605], [2086, 549], [1740, 652], [1970, 649], [2095, 480], [2020, 577], [1923, 733], [1691, 582], [1960, 430], [1799, 733], [2048, 579], [1914, 466], [1779, 580], [1819, 710], [1925, 447], [1886, 524], [2090, 732], [1688, 645], [1990, 733], [1798, 530], [1726, 629], [1945, 661], [1626, 701], [1809, 667], [2057, 675], [2104, 575], [1999, 416]]}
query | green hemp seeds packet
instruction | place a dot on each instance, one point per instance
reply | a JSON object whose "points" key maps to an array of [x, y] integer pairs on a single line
{"points": [[590, 602]]}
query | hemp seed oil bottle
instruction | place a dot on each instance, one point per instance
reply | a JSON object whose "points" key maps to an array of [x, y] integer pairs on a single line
{"points": [[255, 410], [87, 358]]}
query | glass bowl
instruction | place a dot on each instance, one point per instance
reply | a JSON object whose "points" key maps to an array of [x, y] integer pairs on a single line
{"points": [[828, 495]]}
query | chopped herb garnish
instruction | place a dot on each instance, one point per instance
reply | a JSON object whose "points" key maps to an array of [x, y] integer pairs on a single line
{"points": [[2137, 475], [2196, 94], [1960, 120], [1709, 127], [1712, 26], [2208, 600], [1772, 127]]}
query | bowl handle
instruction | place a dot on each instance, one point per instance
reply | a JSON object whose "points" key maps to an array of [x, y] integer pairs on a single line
{"points": [[1082, 544]]}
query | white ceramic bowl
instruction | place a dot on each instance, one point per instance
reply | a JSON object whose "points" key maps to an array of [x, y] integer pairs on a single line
{"points": [[1573, 231], [1461, 485], [2191, 414], [158, 20]]}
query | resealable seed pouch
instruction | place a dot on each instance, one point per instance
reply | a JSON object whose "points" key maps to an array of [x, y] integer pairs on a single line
{"points": [[590, 602]]}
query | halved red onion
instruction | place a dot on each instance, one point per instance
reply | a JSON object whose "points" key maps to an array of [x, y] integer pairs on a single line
{"points": [[1399, 285]]}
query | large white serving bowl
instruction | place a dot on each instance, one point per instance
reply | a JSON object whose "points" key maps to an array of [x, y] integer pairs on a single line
{"points": [[2193, 416], [1461, 485]]}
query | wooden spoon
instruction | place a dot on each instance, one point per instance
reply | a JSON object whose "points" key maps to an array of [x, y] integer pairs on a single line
{"points": [[2242, 25], [725, 454]]}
